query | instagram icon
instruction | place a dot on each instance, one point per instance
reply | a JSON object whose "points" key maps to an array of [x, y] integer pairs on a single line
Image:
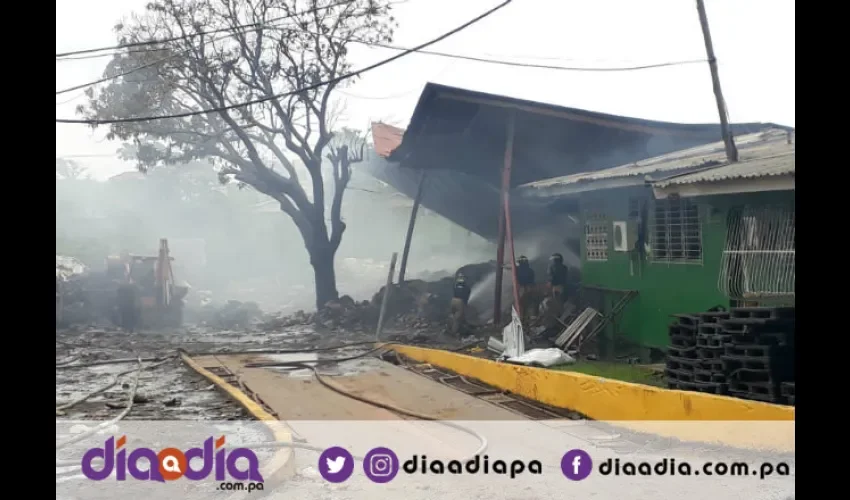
{"points": [[381, 465]]}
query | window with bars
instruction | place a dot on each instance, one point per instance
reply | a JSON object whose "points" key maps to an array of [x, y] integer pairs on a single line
{"points": [[676, 232], [759, 259], [596, 237]]}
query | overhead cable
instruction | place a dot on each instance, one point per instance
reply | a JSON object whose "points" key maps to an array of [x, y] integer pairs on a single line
{"points": [[314, 86], [200, 33]]}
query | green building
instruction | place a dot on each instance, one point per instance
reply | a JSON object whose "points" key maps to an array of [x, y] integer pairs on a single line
{"points": [[683, 233]]}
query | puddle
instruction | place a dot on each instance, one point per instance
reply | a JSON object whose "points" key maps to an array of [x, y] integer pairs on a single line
{"points": [[344, 368], [299, 357]]}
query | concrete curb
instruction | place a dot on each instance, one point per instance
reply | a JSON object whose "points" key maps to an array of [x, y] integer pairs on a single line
{"points": [[642, 408], [281, 465]]}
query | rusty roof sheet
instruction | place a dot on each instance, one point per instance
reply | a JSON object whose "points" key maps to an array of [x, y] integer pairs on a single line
{"points": [[782, 164], [386, 138], [769, 143]]}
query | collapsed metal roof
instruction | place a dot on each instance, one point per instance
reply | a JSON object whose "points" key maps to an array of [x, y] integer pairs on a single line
{"points": [[459, 136]]}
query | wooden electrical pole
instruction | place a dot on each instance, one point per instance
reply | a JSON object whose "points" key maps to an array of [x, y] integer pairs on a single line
{"points": [[728, 140]]}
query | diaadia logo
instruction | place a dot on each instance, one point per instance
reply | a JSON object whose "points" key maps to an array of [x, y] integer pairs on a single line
{"points": [[168, 464]]}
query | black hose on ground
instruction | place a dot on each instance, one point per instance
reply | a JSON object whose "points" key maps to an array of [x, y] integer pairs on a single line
{"points": [[313, 367], [108, 386]]}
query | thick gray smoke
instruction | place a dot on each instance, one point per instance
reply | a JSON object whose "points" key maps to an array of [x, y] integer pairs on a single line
{"points": [[237, 244]]}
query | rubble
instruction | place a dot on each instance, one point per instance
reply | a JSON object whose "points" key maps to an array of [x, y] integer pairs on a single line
{"points": [[233, 314], [415, 305]]}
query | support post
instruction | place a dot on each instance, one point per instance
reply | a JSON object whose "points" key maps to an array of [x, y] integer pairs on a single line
{"points": [[504, 227], [728, 140], [384, 301], [509, 153], [500, 264], [410, 226]]}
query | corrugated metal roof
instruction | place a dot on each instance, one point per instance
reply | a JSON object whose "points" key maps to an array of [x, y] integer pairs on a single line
{"points": [[769, 143], [762, 167]]}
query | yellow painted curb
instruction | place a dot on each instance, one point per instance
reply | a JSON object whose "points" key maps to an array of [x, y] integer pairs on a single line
{"points": [[281, 464], [670, 413]]}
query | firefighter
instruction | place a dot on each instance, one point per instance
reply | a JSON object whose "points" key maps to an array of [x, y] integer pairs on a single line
{"points": [[557, 277], [525, 282], [460, 298]]}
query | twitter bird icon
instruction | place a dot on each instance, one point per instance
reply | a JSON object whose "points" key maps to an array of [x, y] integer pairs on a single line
{"points": [[336, 464]]}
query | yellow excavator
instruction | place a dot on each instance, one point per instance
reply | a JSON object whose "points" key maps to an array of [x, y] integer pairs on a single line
{"points": [[157, 301]]}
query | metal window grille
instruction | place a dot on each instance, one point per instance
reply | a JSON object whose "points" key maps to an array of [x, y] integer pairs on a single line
{"points": [[634, 208], [676, 232], [759, 259], [596, 237]]}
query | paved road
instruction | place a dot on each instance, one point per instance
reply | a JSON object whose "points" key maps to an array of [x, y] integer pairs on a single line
{"points": [[323, 418]]}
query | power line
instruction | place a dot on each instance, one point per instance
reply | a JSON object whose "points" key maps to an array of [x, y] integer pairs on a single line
{"points": [[144, 66], [71, 99], [541, 66], [346, 76], [109, 54], [485, 60], [192, 35]]}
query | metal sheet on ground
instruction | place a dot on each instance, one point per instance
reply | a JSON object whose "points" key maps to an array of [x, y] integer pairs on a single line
{"points": [[294, 397]]}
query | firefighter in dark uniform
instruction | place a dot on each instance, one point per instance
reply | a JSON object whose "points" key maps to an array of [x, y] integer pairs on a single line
{"points": [[525, 282], [460, 298], [557, 277]]}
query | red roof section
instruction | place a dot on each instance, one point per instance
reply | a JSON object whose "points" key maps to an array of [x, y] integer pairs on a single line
{"points": [[386, 138]]}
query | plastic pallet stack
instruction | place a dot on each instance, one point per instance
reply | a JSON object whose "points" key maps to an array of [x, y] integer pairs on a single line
{"points": [[694, 356], [746, 352], [759, 359]]}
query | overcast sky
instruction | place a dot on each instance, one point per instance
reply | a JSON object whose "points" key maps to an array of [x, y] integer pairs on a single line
{"points": [[753, 40]]}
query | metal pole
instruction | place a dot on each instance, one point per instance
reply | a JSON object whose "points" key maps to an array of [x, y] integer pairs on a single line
{"points": [[410, 227], [503, 226], [728, 140], [500, 264], [386, 297], [509, 152]]}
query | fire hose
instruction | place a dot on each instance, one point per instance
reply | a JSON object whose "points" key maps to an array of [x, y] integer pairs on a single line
{"points": [[312, 366]]}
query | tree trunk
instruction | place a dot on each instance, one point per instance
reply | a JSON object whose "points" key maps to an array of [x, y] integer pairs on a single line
{"points": [[322, 260]]}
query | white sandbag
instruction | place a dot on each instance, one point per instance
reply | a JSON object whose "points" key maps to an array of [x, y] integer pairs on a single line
{"points": [[543, 357]]}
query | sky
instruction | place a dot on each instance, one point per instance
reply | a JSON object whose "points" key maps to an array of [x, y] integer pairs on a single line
{"points": [[753, 41]]}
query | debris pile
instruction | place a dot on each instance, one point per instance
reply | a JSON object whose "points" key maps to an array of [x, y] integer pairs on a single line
{"points": [[233, 314], [88, 297], [415, 304]]}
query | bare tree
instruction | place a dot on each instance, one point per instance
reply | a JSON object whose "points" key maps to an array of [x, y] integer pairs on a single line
{"points": [[225, 52]]}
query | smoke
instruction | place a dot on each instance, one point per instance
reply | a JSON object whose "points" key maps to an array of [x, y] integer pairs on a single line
{"points": [[537, 245], [238, 245]]}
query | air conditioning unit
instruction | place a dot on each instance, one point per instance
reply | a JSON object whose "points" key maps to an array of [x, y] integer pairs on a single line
{"points": [[625, 236]]}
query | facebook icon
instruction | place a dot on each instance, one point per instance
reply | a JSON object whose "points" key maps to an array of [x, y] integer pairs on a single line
{"points": [[576, 465]]}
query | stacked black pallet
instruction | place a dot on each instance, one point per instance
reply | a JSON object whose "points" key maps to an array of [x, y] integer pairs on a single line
{"points": [[694, 357], [759, 357]]}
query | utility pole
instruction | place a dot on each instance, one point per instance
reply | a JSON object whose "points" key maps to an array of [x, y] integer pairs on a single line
{"points": [[728, 140]]}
